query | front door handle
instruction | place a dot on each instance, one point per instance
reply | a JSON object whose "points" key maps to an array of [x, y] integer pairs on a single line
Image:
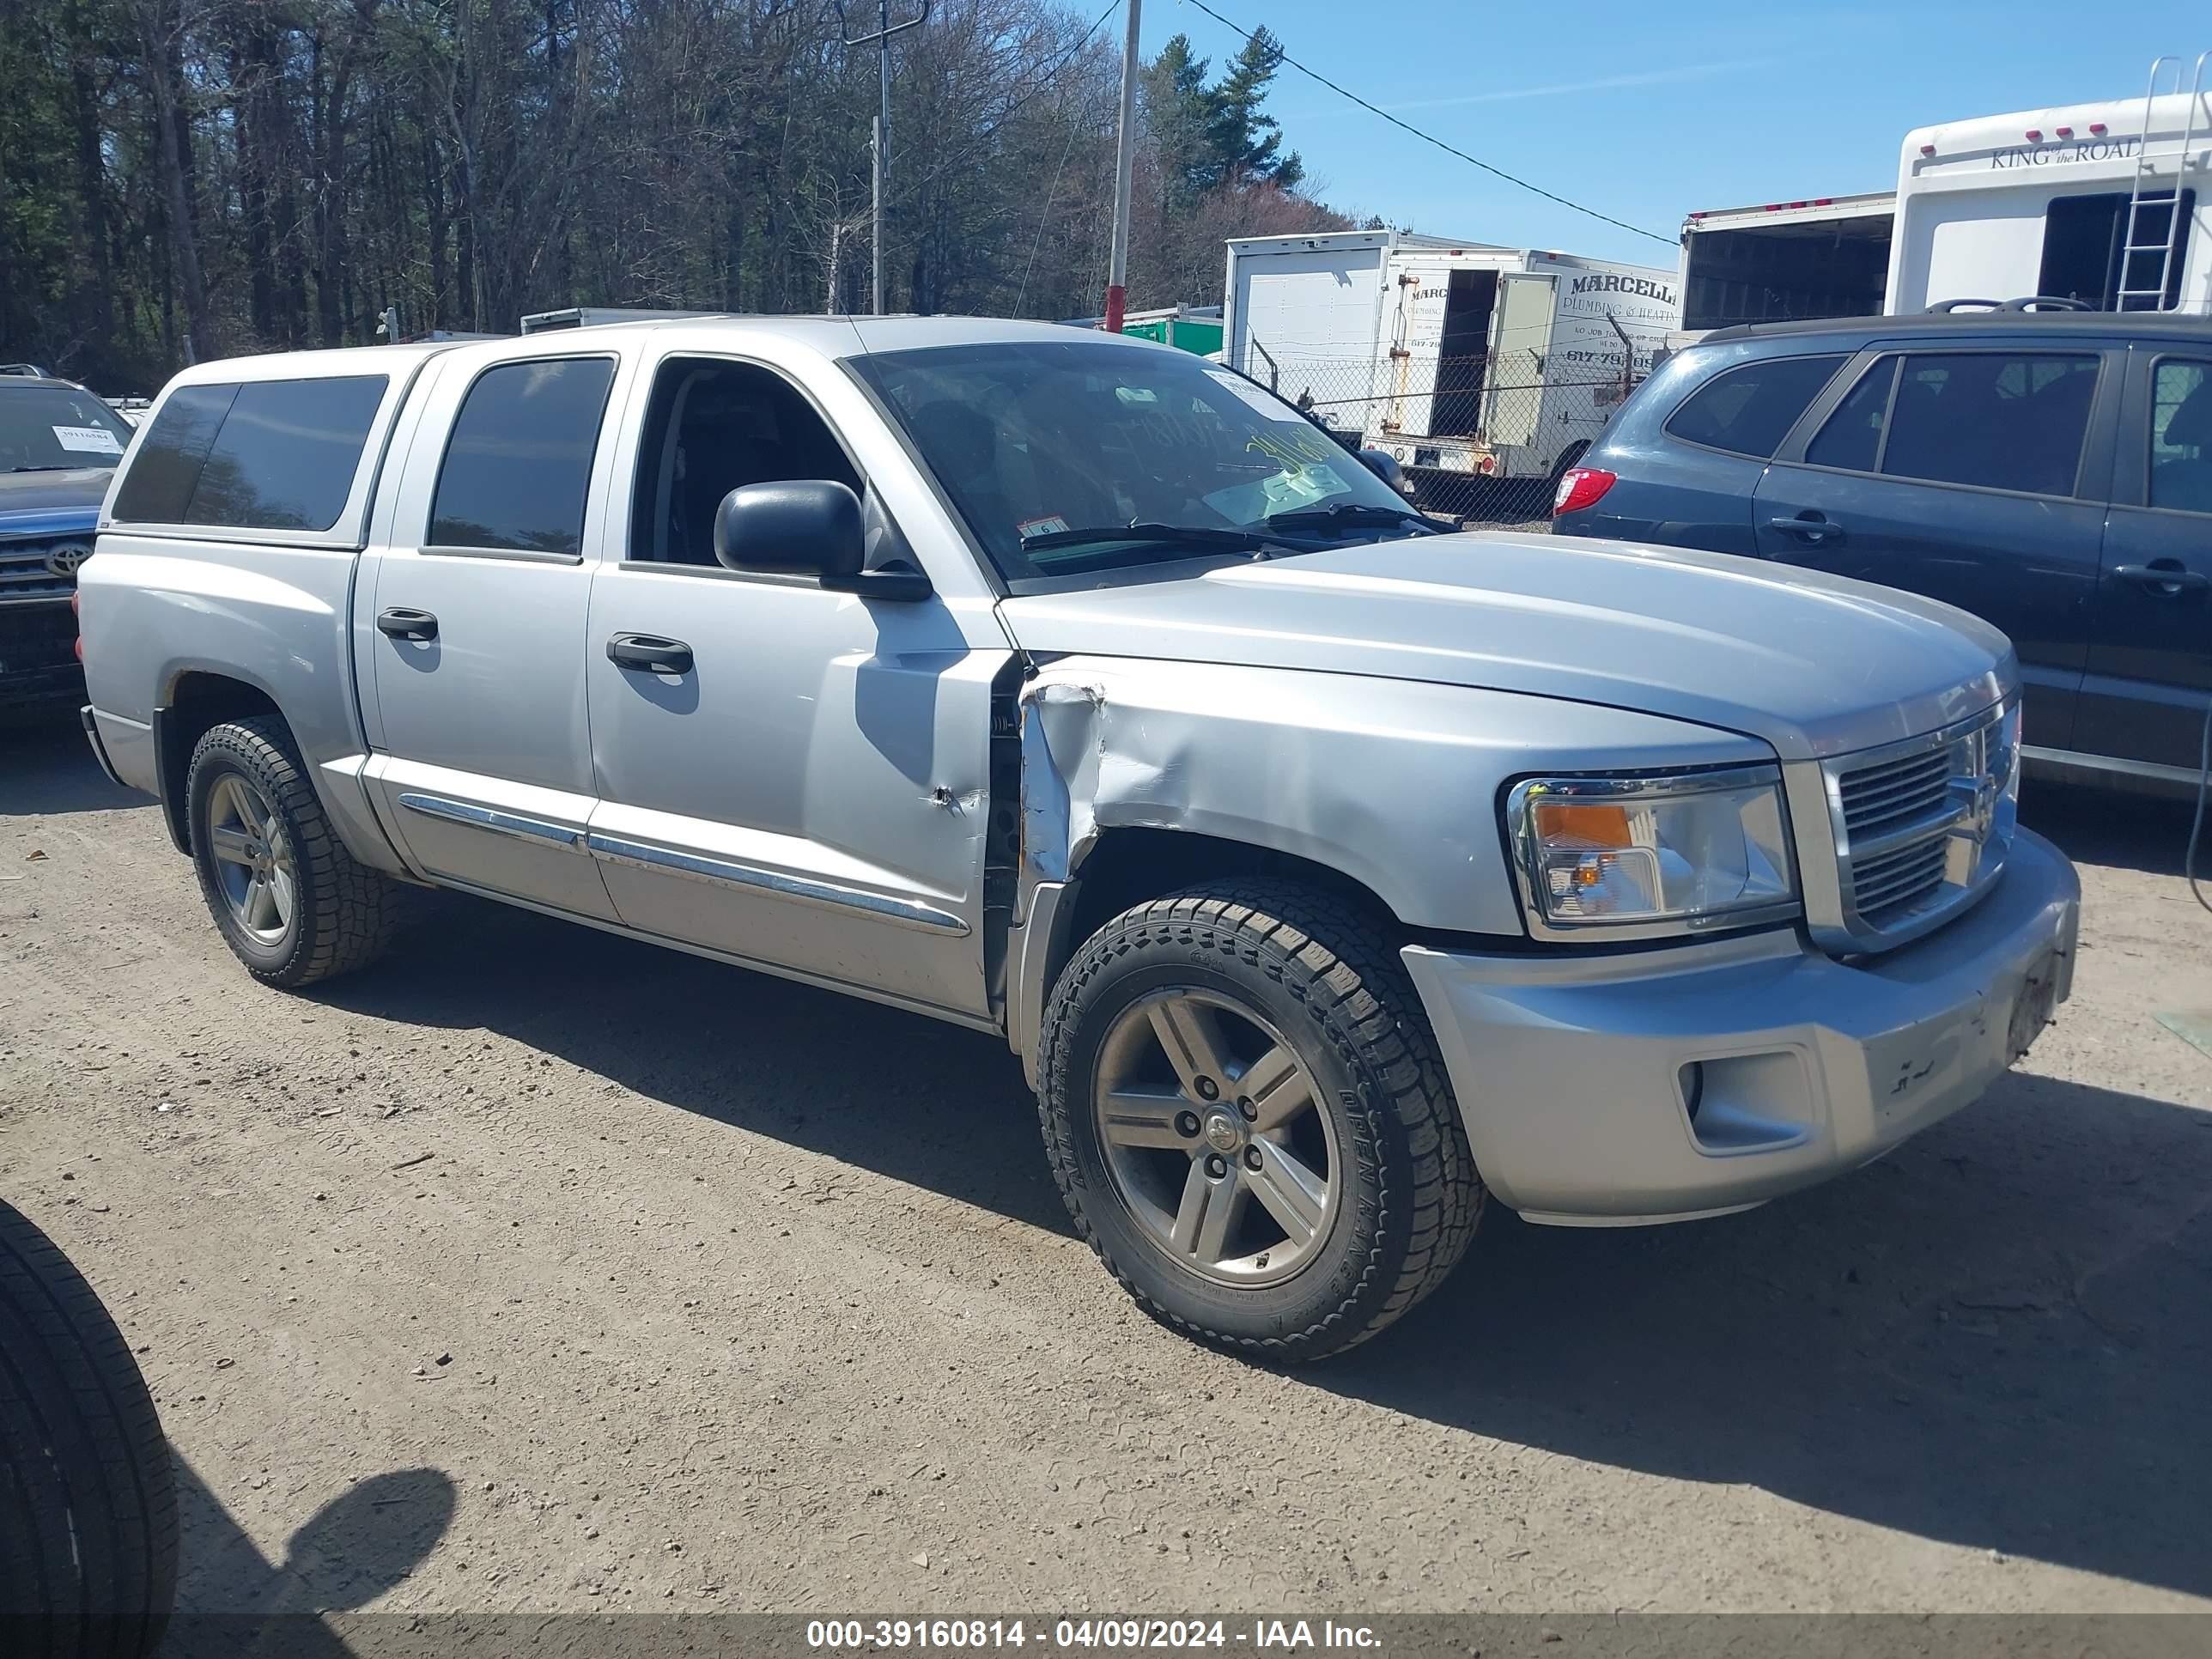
{"points": [[2167, 578], [1815, 529], [404, 623], [648, 654]]}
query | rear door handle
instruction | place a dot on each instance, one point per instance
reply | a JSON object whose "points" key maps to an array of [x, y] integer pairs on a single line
{"points": [[2166, 577], [404, 623], [1812, 530], [648, 654]]}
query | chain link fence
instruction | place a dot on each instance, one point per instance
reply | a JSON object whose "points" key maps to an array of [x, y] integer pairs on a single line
{"points": [[1482, 439]]}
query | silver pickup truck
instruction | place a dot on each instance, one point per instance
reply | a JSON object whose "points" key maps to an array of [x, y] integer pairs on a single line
{"points": [[1327, 873]]}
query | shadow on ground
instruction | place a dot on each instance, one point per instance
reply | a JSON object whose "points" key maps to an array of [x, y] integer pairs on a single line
{"points": [[232, 1600], [47, 766], [1998, 1337], [2149, 833]]}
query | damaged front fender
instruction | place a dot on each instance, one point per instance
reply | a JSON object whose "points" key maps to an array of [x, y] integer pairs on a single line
{"points": [[1392, 784]]}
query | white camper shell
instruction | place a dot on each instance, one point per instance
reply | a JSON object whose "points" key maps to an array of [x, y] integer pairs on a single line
{"points": [[1456, 357], [2076, 203]]}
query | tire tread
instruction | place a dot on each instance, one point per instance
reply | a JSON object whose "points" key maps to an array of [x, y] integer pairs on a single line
{"points": [[349, 912], [1340, 961]]}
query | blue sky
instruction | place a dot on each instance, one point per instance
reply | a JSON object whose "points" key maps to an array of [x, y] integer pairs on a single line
{"points": [[1648, 110]]}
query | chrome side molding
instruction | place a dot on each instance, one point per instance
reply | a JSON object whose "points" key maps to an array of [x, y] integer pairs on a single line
{"points": [[485, 817], [905, 913]]}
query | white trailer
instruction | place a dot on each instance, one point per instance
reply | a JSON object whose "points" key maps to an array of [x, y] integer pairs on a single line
{"points": [[2076, 203], [1824, 256], [1459, 358]]}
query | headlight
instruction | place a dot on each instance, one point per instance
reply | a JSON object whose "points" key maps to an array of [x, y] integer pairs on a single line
{"points": [[1637, 857]]}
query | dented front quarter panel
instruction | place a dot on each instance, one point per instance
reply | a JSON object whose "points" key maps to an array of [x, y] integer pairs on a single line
{"points": [[1394, 784]]}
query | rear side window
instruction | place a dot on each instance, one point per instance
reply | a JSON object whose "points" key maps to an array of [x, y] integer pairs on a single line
{"points": [[286, 456], [520, 460], [170, 451], [1994, 419], [1852, 439], [1750, 410], [263, 455], [2181, 437]]}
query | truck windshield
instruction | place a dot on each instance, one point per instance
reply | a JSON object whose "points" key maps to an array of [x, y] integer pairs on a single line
{"points": [[45, 428], [1070, 458]]}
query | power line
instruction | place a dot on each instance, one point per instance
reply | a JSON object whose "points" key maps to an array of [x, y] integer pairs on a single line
{"points": [[1430, 137]]}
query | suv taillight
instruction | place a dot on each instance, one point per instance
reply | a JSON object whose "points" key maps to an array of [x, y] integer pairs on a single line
{"points": [[1581, 487]]}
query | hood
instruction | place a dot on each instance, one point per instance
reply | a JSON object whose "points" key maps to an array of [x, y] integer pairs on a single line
{"points": [[1811, 664], [53, 502]]}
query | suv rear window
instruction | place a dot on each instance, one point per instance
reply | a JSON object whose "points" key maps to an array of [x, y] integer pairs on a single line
{"points": [[520, 460], [1748, 411], [257, 455]]}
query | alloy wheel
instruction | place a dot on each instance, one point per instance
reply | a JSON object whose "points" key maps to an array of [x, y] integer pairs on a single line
{"points": [[1215, 1137]]}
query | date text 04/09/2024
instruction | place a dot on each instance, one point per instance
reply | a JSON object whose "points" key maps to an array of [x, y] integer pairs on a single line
{"points": [[1277, 1634]]}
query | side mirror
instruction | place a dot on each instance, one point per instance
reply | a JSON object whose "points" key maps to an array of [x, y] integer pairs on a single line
{"points": [[1385, 465], [812, 527]]}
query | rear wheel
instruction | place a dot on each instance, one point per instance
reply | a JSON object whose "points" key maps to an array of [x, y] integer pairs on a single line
{"points": [[1248, 1121], [291, 903]]}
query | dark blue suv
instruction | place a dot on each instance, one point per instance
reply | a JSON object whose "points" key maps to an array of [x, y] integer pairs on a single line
{"points": [[2050, 472]]}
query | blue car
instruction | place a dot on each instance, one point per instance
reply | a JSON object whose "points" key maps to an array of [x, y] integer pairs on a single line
{"points": [[59, 447], [2051, 472]]}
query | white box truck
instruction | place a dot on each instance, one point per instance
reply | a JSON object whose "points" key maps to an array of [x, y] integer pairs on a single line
{"points": [[1463, 360], [2101, 205], [1823, 256]]}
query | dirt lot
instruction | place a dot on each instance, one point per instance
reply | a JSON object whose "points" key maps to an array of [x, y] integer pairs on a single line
{"points": [[537, 1270]]}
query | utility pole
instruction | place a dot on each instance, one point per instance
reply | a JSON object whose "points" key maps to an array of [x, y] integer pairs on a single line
{"points": [[881, 40], [1125, 161]]}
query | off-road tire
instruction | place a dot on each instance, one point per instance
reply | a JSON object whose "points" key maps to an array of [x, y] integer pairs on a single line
{"points": [[88, 1498], [344, 914], [1324, 974]]}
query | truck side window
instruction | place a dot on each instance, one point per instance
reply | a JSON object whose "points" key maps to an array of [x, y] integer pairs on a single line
{"points": [[1852, 439], [1998, 420], [1748, 411], [287, 454], [164, 467], [713, 425], [2181, 437], [518, 463]]}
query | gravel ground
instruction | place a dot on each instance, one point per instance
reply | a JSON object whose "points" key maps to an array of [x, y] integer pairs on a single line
{"points": [[539, 1270]]}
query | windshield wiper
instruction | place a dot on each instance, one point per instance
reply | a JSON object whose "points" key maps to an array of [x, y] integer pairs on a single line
{"points": [[1351, 515], [1176, 535], [42, 469]]}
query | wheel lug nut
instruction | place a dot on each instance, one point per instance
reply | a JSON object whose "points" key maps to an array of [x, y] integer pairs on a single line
{"points": [[1208, 1089], [1251, 1158], [1217, 1166], [1244, 1105], [1187, 1124]]}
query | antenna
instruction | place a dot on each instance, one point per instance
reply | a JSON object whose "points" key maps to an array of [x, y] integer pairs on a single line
{"points": [[881, 40]]}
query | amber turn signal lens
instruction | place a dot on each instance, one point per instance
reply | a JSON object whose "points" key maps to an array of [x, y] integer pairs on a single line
{"points": [[1587, 823]]}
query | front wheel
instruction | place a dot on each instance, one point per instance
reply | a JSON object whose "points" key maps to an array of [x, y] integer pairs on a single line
{"points": [[1248, 1118]]}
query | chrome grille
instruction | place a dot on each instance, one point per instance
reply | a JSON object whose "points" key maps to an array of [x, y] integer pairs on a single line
{"points": [[28, 572], [1922, 827]]}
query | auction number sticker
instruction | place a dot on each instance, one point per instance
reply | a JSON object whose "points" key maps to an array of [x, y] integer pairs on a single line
{"points": [[87, 440]]}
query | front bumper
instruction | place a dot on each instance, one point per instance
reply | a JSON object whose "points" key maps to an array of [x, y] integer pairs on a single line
{"points": [[1663, 1085]]}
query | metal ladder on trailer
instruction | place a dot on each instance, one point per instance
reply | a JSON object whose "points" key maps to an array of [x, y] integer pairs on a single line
{"points": [[2144, 204]]}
